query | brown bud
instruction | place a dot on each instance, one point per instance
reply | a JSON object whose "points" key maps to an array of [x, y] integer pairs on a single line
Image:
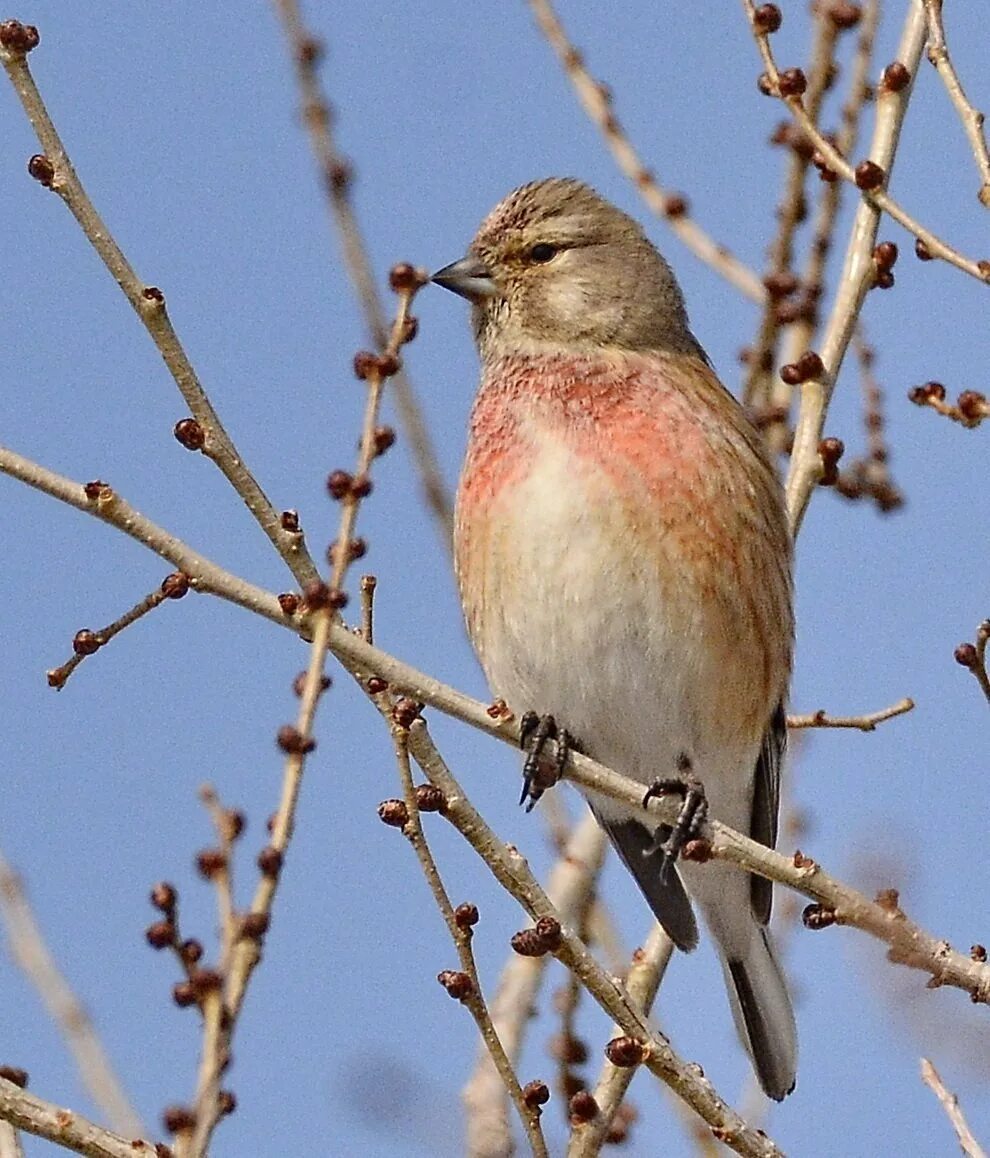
{"points": [[568, 1049], [869, 175], [922, 252], [95, 489], [176, 585], [17, 37], [184, 994], [697, 850], [191, 951], [675, 206], [780, 284], [929, 391], [86, 642], [895, 77], [254, 926], [178, 1119], [361, 487], [767, 18], [885, 255], [889, 900], [151, 293], [211, 862], [966, 656], [459, 985], [160, 935], [792, 82], [764, 84], [339, 484], [270, 861], [293, 742], [406, 711], [365, 364], [528, 943], [817, 917], [972, 405], [163, 896], [226, 1102], [810, 365], [466, 916], [429, 798], [404, 276], [625, 1051], [393, 813], [376, 686], [42, 170], [410, 328], [205, 981], [830, 451], [290, 522], [535, 1094], [15, 1075], [289, 602], [337, 598], [582, 1107], [383, 438], [978, 953], [190, 434], [549, 932], [844, 15], [316, 595], [299, 683], [884, 279], [339, 176], [310, 50]]}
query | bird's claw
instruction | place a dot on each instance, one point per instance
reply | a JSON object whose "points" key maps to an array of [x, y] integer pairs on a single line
{"points": [[670, 839], [539, 774]]}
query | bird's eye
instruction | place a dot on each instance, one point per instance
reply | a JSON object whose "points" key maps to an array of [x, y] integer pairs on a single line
{"points": [[542, 252]]}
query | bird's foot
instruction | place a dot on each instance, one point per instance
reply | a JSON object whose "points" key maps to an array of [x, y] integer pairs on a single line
{"points": [[541, 771], [670, 839]]}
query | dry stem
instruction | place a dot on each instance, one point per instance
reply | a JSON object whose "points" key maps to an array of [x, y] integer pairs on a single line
{"points": [[149, 305], [950, 1103], [597, 103], [865, 723]]}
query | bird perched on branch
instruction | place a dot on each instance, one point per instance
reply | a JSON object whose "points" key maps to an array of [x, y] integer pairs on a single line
{"points": [[624, 560]]}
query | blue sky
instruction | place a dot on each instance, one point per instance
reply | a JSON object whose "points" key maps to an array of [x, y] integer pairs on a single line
{"points": [[183, 124]]}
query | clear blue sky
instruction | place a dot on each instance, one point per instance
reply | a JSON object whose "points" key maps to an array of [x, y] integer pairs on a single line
{"points": [[182, 121]]}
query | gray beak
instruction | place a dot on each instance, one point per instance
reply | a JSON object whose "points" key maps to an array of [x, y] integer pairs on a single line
{"points": [[468, 277]]}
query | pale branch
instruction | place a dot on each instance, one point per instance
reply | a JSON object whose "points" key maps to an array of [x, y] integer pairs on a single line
{"points": [[54, 170], [102, 502], [596, 100], [10, 1142], [950, 1103], [642, 984], [864, 723], [66, 1128], [336, 173], [859, 271], [570, 883], [972, 119], [872, 188], [88, 642], [30, 953], [460, 926], [513, 873]]}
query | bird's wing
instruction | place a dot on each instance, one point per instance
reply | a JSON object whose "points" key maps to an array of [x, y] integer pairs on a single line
{"points": [[766, 805]]}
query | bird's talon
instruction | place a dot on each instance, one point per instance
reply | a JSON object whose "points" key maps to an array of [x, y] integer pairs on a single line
{"points": [[670, 839]]}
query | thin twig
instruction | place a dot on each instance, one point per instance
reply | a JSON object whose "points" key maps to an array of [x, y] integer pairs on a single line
{"points": [[973, 657], [149, 304], [30, 952], [972, 119], [66, 1128], [88, 642], [875, 196], [865, 723], [597, 103], [642, 984], [513, 873], [969, 409], [462, 934], [337, 178], [950, 1103]]}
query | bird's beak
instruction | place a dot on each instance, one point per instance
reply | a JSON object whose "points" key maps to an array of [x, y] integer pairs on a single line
{"points": [[468, 277]]}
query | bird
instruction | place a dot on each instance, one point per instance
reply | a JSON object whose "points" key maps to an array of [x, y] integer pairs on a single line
{"points": [[624, 560]]}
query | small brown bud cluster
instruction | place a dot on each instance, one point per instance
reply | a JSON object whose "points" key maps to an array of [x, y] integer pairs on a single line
{"points": [[211, 863], [817, 917], [675, 206], [978, 953], [290, 522], [270, 861], [19, 38], [545, 937], [96, 490], [429, 798], [969, 409], [830, 450], [499, 711], [626, 1051], [179, 1119], [299, 683], [293, 742], [382, 439], [376, 685], [368, 365], [393, 813], [767, 18], [317, 596], [190, 434], [403, 277], [151, 293], [869, 176], [808, 366], [582, 1108], [895, 77], [843, 14], [922, 252], [42, 170], [792, 82], [289, 602], [536, 1094], [466, 916], [406, 712], [342, 485], [86, 642], [176, 585], [884, 258], [459, 985]]}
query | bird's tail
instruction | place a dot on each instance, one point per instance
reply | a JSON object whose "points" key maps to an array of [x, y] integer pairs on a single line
{"points": [[761, 1008]]}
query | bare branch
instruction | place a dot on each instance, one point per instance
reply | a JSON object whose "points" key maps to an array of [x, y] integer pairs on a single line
{"points": [[969, 409], [54, 169], [865, 723], [597, 103], [950, 1103]]}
